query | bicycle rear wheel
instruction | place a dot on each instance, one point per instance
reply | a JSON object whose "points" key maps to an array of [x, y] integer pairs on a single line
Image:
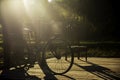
{"points": [[58, 56]]}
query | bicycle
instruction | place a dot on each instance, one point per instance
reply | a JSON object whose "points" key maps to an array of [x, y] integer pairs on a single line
{"points": [[57, 54]]}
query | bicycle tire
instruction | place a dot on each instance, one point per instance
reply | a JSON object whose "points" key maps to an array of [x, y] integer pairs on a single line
{"points": [[58, 56]]}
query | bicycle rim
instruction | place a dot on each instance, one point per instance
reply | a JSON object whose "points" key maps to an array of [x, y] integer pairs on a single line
{"points": [[58, 56]]}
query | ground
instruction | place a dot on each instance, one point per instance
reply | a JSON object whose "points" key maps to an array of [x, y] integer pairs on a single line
{"points": [[93, 69]]}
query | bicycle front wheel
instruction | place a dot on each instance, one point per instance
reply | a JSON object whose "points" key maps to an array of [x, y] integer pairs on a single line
{"points": [[58, 56]]}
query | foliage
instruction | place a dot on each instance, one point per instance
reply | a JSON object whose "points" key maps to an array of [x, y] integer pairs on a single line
{"points": [[103, 52], [97, 19]]}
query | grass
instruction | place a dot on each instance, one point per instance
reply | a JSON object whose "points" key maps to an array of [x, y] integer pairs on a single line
{"points": [[103, 52], [101, 49], [97, 49]]}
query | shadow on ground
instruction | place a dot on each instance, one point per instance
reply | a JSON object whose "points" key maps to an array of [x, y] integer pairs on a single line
{"points": [[100, 71], [17, 74], [21, 74]]}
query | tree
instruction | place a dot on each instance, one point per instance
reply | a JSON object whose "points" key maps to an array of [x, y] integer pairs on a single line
{"points": [[99, 14]]}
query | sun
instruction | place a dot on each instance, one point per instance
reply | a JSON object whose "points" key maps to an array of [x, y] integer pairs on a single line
{"points": [[49, 0]]}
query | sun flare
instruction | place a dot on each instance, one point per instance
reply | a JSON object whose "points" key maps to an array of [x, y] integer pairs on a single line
{"points": [[49, 0]]}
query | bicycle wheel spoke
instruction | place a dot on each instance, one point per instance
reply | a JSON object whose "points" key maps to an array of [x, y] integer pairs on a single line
{"points": [[55, 54]]}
